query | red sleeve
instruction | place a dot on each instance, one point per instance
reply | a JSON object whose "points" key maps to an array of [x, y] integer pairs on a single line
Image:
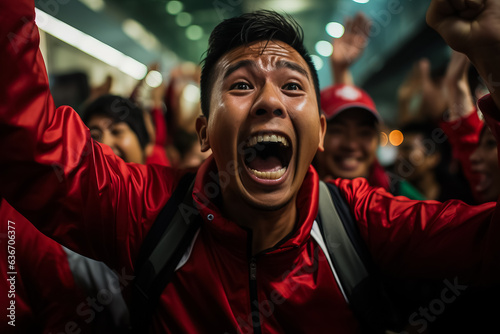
{"points": [[463, 135], [425, 239], [45, 291], [160, 126], [158, 156], [51, 171]]}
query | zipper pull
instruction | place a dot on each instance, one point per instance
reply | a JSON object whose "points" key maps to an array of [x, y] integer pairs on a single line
{"points": [[253, 269]]}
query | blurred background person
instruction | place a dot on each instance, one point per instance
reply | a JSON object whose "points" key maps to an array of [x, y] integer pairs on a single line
{"points": [[353, 122]]}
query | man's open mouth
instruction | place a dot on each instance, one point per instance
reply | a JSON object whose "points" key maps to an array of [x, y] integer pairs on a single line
{"points": [[267, 156]]}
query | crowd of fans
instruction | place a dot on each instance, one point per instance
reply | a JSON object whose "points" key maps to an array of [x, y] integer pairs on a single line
{"points": [[448, 153]]}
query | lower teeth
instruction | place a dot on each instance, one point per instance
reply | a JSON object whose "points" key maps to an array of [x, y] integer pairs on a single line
{"points": [[269, 175]]}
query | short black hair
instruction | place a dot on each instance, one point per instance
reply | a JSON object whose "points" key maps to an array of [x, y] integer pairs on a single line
{"points": [[262, 25], [119, 109]]}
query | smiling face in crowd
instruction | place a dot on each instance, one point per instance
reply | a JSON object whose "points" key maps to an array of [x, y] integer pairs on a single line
{"points": [[351, 143], [264, 126], [117, 135], [484, 162]]}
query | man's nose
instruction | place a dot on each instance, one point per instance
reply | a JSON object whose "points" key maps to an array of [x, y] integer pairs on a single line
{"points": [[269, 102], [350, 139]]}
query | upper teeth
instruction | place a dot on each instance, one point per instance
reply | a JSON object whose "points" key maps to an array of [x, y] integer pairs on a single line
{"points": [[267, 138]]}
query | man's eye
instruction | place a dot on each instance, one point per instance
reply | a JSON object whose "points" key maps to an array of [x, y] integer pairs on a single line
{"points": [[292, 86], [241, 86]]}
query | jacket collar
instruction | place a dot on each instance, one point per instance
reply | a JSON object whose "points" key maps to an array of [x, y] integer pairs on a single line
{"points": [[207, 197]]}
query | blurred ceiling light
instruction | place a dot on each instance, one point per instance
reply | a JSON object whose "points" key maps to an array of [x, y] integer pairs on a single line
{"points": [[90, 45], [191, 93], [174, 7], [189, 102], [183, 19], [154, 79], [317, 61], [324, 48], [194, 32], [95, 5], [137, 32], [396, 137], [361, 1], [132, 28], [335, 29], [290, 7]]}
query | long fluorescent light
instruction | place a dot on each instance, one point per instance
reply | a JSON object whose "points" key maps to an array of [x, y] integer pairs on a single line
{"points": [[90, 45]]}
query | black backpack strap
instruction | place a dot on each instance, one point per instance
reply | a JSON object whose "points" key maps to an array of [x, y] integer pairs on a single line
{"points": [[161, 251], [353, 263], [342, 240]]}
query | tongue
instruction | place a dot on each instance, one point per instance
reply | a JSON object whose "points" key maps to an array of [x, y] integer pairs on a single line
{"points": [[269, 164]]}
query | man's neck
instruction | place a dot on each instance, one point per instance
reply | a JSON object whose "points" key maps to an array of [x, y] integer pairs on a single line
{"points": [[268, 227]]}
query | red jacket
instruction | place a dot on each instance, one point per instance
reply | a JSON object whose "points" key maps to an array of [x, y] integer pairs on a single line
{"points": [[158, 155], [88, 199], [39, 294]]}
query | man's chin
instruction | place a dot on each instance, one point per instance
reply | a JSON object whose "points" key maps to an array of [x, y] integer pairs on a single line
{"points": [[268, 204]]}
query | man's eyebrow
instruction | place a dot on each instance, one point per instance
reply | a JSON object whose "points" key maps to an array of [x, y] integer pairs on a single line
{"points": [[238, 65], [293, 66]]}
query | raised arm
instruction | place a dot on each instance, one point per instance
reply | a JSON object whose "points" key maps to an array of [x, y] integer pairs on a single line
{"points": [[425, 239], [67, 185], [461, 123], [428, 238], [348, 48], [457, 89], [473, 28]]}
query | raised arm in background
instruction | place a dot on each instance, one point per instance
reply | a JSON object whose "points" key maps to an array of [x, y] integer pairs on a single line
{"points": [[349, 47], [461, 122]]}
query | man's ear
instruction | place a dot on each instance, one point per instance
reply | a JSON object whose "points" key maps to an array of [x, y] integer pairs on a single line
{"points": [[201, 129], [322, 132]]}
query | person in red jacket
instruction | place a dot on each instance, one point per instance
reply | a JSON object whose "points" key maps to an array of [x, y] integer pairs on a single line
{"points": [[352, 139], [257, 262], [118, 123], [472, 141], [353, 122]]}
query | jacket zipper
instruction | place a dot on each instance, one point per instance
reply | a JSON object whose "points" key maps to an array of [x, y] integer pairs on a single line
{"points": [[254, 299]]}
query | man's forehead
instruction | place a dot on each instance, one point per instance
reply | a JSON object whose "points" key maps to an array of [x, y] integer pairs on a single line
{"points": [[267, 53]]}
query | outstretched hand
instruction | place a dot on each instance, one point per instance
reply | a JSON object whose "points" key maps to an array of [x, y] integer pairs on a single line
{"points": [[420, 96], [349, 47]]}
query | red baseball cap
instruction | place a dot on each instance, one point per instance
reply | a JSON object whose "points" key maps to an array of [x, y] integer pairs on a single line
{"points": [[337, 98]]}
